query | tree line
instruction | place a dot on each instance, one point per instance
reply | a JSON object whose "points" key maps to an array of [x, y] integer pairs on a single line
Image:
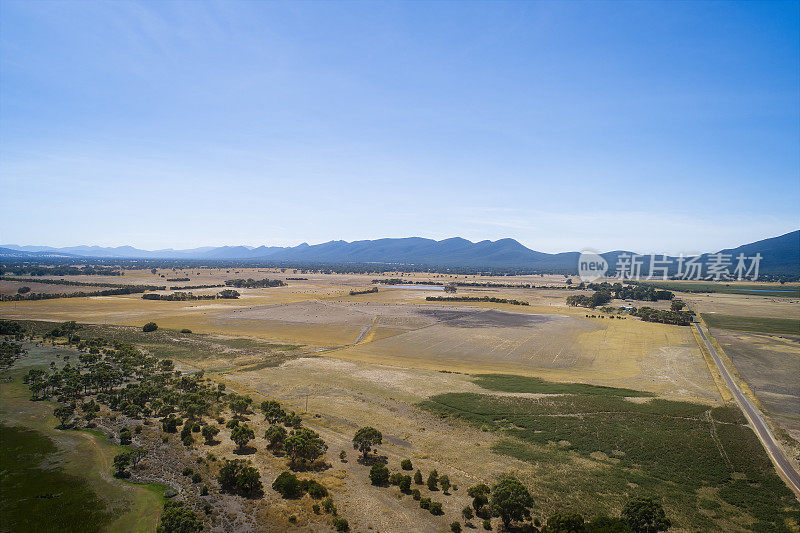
{"points": [[475, 299], [251, 283], [60, 270], [180, 296], [127, 289], [365, 291]]}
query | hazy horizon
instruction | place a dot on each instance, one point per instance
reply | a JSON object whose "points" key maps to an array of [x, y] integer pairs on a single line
{"points": [[168, 248]]}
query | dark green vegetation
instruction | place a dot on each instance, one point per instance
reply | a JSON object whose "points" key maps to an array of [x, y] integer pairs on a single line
{"points": [[772, 289], [475, 299], [40, 269], [177, 519], [642, 292], [679, 318], [512, 383], [36, 494], [667, 448], [788, 326]]}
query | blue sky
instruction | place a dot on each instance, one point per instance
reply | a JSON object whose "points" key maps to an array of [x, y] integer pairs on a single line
{"points": [[657, 127]]}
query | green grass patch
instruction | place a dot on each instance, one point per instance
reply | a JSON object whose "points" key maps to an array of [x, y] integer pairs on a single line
{"points": [[766, 289], [35, 492], [668, 448], [512, 383], [787, 326]]}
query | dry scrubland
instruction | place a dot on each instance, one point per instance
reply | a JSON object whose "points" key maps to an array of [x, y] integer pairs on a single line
{"points": [[406, 366]]}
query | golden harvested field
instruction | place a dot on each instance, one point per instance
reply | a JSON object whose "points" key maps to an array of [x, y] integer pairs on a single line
{"points": [[372, 359], [396, 326]]}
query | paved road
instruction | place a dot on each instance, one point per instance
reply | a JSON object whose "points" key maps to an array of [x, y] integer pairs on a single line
{"points": [[773, 450]]}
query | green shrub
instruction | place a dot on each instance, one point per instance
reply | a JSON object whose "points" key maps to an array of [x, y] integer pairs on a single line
{"points": [[150, 326], [379, 474], [328, 506], [405, 464], [288, 486], [314, 489]]}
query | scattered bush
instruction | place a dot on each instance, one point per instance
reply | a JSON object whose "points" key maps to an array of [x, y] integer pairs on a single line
{"points": [[405, 464], [150, 326], [433, 480], [239, 476]]}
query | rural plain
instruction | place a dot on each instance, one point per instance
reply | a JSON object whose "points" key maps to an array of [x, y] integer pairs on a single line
{"points": [[587, 407]]}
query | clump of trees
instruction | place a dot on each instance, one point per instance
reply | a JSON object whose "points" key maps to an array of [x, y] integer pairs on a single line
{"points": [[175, 518], [182, 296], [679, 318], [580, 300], [642, 292]]}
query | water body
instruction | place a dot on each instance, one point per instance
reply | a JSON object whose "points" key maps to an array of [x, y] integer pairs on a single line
{"points": [[764, 290]]}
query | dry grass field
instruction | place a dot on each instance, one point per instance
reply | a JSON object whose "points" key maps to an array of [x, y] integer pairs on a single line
{"points": [[344, 361], [397, 326]]}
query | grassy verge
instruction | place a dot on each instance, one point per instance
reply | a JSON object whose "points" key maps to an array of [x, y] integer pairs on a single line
{"points": [[772, 289], [595, 450], [786, 326], [512, 383], [79, 462]]}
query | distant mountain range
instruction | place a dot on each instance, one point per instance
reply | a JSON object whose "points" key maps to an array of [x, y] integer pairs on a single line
{"points": [[781, 255]]}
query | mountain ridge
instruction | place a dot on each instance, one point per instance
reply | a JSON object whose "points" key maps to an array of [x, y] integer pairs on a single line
{"points": [[780, 254]]}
